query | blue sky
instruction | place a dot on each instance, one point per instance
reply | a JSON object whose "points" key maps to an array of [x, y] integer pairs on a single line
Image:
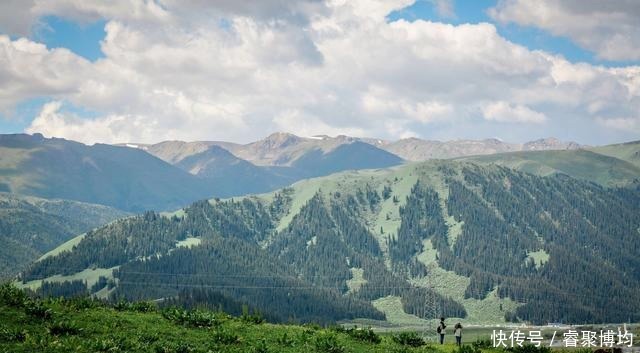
{"points": [[81, 38], [84, 38], [55, 32], [83, 34], [533, 38]]}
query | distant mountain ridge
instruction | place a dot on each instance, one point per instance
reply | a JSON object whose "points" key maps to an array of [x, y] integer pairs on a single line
{"points": [[136, 177], [283, 149], [124, 178], [414, 149], [171, 174]]}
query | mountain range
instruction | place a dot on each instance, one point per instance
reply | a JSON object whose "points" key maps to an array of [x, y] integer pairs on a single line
{"points": [[171, 174], [284, 149], [330, 228], [486, 242]]}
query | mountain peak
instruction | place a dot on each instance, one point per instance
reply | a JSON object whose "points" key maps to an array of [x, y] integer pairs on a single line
{"points": [[279, 140], [550, 143]]}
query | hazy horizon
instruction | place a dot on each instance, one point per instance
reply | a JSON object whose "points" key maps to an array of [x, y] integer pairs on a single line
{"points": [[329, 136]]}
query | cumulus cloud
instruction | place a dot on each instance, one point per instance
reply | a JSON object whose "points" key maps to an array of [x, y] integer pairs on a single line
{"points": [[608, 28], [53, 122], [505, 112], [19, 17], [625, 124], [28, 69], [308, 67]]}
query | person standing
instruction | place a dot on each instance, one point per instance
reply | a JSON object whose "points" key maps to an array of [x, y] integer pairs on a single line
{"points": [[457, 331], [441, 330]]}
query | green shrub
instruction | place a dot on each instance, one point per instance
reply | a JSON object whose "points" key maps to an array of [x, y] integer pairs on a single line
{"points": [[411, 339], [482, 343], [140, 307], [114, 344], [63, 328], [83, 303], [11, 295], [337, 328], [364, 334], [285, 340], [255, 318], [225, 337], [191, 318], [529, 348], [582, 350], [312, 326], [430, 348], [327, 343], [260, 347], [305, 337], [169, 347], [401, 349], [36, 309], [468, 349], [12, 335], [149, 338]]}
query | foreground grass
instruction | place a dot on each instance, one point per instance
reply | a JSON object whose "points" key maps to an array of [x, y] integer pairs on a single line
{"points": [[86, 325]]}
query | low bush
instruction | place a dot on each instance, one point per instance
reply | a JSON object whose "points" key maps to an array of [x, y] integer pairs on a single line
{"points": [[63, 328], [482, 343], [285, 340], [328, 343], [529, 348], [11, 295], [260, 347], [174, 348], [225, 337], [468, 349], [364, 334], [191, 318], [36, 309], [140, 307], [12, 335], [411, 339]]}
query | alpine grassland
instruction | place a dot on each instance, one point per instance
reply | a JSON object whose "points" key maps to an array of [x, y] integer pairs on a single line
{"points": [[32, 324], [84, 324]]}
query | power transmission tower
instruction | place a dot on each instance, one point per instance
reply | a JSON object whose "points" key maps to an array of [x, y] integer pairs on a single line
{"points": [[431, 311]]}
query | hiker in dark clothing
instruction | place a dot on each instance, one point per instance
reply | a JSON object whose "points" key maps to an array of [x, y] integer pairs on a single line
{"points": [[457, 331], [441, 330]]}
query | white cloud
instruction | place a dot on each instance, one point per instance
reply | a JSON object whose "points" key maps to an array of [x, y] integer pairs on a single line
{"points": [[378, 101], [625, 124], [444, 8], [52, 123], [29, 69], [504, 112], [237, 73], [608, 28]]}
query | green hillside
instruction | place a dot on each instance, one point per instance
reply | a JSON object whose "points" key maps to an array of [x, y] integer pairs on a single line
{"points": [[600, 165], [124, 178], [31, 226], [484, 244], [82, 325], [629, 151]]}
